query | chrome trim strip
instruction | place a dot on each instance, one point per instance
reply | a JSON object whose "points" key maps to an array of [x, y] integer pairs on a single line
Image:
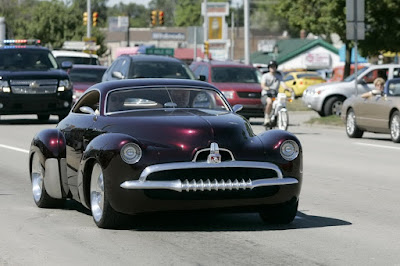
{"points": [[202, 185], [179, 186]]}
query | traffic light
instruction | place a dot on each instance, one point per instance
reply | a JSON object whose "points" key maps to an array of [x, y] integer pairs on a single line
{"points": [[161, 17], [153, 17], [206, 48], [85, 18], [94, 18]]}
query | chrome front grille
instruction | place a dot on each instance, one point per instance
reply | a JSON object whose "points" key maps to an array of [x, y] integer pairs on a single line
{"points": [[207, 185], [40, 86]]}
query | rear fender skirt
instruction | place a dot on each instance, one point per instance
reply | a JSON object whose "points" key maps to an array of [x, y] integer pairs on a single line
{"points": [[98, 150], [50, 145]]}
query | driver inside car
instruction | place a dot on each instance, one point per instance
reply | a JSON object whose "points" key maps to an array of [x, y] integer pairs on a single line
{"points": [[181, 98]]}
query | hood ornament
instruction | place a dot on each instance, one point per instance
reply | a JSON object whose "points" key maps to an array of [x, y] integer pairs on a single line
{"points": [[214, 156]]}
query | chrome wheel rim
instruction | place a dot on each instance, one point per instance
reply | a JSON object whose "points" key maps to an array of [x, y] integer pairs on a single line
{"points": [[337, 108], [395, 127], [37, 178], [97, 192], [350, 125]]}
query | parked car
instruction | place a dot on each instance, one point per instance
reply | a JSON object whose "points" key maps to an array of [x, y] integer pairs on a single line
{"points": [[338, 72], [378, 114], [299, 81], [147, 66], [76, 57], [327, 98], [128, 148], [84, 76], [240, 83]]}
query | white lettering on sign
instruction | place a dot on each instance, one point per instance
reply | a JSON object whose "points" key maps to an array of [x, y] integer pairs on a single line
{"points": [[317, 60]]}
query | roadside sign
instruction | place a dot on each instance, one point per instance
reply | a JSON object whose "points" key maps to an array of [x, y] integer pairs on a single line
{"points": [[160, 51]]}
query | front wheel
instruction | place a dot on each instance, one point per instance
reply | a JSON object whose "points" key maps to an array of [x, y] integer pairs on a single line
{"points": [[283, 120], [40, 196], [103, 214], [352, 129], [395, 127], [280, 214], [333, 106]]}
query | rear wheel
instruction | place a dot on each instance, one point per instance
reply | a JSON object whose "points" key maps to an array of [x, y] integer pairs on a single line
{"points": [[352, 129], [40, 196], [333, 106], [395, 127], [280, 214], [103, 214]]}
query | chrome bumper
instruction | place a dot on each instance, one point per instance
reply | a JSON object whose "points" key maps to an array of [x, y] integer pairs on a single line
{"points": [[208, 185]]}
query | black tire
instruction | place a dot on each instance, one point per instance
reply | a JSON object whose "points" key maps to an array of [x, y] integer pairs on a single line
{"points": [[103, 214], [333, 106], [283, 214], [352, 129], [43, 117], [395, 127], [40, 196]]}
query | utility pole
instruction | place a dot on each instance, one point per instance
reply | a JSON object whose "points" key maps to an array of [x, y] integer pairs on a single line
{"points": [[205, 23], [232, 35], [89, 19], [246, 32]]}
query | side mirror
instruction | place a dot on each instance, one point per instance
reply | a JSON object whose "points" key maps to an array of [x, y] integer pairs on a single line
{"points": [[202, 78], [87, 110], [237, 107], [117, 74], [66, 65]]}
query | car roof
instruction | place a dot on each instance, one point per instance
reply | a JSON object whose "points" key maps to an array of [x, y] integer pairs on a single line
{"points": [[144, 57], [72, 54], [105, 87], [86, 66], [218, 63]]}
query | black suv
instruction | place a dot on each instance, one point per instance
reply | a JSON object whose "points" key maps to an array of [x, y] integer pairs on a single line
{"points": [[31, 81], [147, 66]]}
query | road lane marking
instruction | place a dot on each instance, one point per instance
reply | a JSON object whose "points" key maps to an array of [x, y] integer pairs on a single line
{"points": [[378, 146], [13, 148]]}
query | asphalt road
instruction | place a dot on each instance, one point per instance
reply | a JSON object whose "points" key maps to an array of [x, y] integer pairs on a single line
{"points": [[349, 213]]}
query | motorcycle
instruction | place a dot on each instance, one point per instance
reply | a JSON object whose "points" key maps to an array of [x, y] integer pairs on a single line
{"points": [[279, 116]]}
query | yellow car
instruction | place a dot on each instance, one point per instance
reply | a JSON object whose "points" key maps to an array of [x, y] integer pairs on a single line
{"points": [[299, 81]]}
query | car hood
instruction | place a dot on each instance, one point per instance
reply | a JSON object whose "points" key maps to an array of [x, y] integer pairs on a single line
{"points": [[237, 86], [179, 134], [47, 74]]}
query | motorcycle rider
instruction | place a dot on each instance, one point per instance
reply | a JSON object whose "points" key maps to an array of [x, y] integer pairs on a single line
{"points": [[270, 83]]}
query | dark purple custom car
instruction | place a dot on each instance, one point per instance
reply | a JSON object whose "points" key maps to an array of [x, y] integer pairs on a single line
{"points": [[151, 145]]}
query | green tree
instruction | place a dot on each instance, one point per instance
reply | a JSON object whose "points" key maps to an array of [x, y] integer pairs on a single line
{"points": [[139, 15], [323, 17], [188, 13]]}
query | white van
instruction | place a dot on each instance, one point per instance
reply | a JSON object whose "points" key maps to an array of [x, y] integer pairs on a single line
{"points": [[76, 57]]}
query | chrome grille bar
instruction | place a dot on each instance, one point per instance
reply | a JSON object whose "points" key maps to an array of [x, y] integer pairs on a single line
{"points": [[41, 86]]}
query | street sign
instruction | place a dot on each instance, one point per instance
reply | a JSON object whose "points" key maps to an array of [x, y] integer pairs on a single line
{"points": [[160, 51], [355, 13], [350, 30]]}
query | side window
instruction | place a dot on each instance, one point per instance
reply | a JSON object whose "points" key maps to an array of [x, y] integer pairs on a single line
{"points": [[396, 73], [204, 71], [92, 100], [288, 77], [377, 73]]}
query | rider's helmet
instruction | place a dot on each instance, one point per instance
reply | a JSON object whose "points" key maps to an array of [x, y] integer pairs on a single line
{"points": [[272, 63]]}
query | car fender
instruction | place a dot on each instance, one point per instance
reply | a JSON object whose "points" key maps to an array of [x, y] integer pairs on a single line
{"points": [[101, 149], [272, 140], [50, 145]]}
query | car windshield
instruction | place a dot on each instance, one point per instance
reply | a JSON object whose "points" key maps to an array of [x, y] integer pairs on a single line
{"points": [[26, 60], [92, 75], [235, 75], [78, 60], [160, 69], [352, 76], [155, 98]]}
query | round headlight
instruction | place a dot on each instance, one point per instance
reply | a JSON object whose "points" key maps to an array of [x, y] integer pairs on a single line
{"points": [[131, 153], [289, 150]]}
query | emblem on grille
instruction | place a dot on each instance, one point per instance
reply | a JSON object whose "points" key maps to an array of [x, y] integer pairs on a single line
{"points": [[252, 95], [34, 85], [214, 156]]}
